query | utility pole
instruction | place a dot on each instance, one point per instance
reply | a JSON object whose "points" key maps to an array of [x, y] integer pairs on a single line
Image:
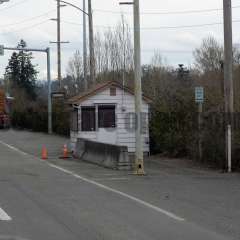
{"points": [[84, 36], [139, 168], [228, 78], [124, 60], [91, 43], [59, 44], [84, 47], [50, 130]]}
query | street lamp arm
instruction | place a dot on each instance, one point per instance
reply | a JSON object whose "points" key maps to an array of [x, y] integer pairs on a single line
{"points": [[70, 4]]}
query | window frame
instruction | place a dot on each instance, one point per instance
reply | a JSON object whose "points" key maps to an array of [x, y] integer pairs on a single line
{"points": [[83, 129], [104, 126]]}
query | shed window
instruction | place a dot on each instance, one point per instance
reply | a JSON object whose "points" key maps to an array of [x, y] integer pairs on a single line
{"points": [[106, 116], [88, 119], [113, 91]]}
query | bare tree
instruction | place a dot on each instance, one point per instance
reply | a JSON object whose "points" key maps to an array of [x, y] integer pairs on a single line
{"points": [[157, 60], [209, 56], [75, 69], [113, 49]]}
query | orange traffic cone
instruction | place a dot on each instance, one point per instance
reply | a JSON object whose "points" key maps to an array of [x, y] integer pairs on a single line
{"points": [[44, 153], [65, 151]]}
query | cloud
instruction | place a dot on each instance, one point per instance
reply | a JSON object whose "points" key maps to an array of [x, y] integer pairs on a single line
{"points": [[184, 39]]}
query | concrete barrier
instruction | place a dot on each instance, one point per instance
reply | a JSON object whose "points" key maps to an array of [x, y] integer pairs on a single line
{"points": [[107, 155]]}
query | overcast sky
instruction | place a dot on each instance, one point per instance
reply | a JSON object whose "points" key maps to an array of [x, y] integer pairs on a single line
{"points": [[29, 19]]}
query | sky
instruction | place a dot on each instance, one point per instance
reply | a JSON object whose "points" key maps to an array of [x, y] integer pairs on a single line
{"points": [[164, 27]]}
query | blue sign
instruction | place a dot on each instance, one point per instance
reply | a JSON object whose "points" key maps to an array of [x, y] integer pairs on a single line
{"points": [[199, 94]]}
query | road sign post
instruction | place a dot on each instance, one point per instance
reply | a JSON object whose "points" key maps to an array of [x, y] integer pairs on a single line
{"points": [[199, 99]]}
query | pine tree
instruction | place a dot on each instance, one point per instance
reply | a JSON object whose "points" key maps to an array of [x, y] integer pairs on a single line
{"points": [[21, 71], [13, 70]]}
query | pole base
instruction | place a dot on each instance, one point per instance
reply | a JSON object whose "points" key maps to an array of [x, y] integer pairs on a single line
{"points": [[139, 168]]}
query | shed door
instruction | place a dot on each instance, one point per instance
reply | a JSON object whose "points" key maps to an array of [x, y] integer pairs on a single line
{"points": [[107, 124]]}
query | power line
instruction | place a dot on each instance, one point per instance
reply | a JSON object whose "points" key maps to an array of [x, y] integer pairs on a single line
{"points": [[13, 5], [159, 28], [168, 51], [25, 28], [72, 23], [109, 27], [79, 24], [32, 26], [185, 26], [166, 13], [28, 19]]}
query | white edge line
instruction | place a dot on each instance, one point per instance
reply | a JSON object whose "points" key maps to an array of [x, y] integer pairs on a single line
{"points": [[111, 179], [146, 204], [14, 149], [4, 216], [169, 214]]}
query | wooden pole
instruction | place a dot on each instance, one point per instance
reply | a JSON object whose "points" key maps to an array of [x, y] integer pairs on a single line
{"points": [[228, 75]]}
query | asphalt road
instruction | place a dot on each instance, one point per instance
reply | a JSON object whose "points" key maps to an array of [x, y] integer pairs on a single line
{"points": [[65, 200]]}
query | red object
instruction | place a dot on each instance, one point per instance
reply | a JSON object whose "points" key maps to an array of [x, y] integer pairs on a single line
{"points": [[4, 120], [4, 117], [44, 153], [65, 151]]}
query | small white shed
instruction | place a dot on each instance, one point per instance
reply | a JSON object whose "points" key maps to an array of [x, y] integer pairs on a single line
{"points": [[106, 113]]}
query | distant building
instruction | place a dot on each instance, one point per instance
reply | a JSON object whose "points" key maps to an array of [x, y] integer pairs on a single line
{"points": [[106, 113]]}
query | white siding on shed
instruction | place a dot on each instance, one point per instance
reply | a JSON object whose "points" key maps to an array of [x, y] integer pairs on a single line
{"points": [[122, 100]]}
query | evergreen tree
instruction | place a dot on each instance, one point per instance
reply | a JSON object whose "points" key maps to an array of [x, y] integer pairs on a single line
{"points": [[21, 71]]}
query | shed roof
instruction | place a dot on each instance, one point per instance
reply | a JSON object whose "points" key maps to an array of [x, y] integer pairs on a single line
{"points": [[101, 87]]}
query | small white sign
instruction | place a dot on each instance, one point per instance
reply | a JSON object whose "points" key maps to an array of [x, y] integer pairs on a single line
{"points": [[199, 94], [1, 50]]}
